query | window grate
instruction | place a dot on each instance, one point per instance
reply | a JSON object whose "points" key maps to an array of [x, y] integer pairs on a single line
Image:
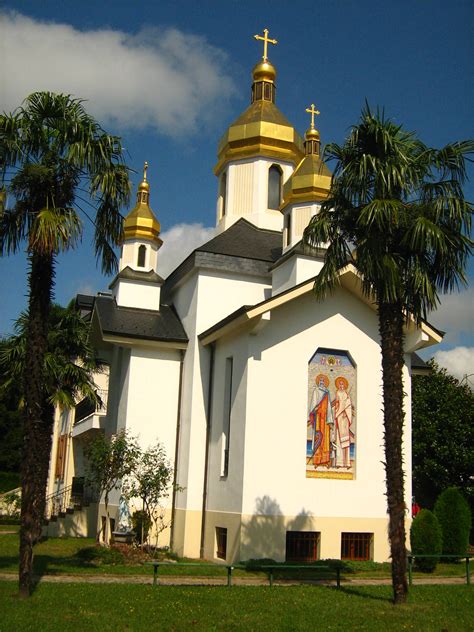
{"points": [[302, 546], [356, 546]]}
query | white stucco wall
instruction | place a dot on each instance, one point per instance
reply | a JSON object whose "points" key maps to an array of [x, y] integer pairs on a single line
{"points": [[247, 193], [294, 270], [267, 471], [138, 295]]}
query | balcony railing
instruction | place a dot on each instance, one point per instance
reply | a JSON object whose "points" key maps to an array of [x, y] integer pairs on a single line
{"points": [[85, 408]]}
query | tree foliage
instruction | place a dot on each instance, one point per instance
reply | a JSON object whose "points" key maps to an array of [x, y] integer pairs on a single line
{"points": [[51, 151], [109, 460], [396, 212], [150, 480], [426, 539], [443, 435], [454, 516], [70, 362]]}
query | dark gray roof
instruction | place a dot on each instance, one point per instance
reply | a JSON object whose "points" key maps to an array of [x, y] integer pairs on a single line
{"points": [[419, 366], [243, 239], [243, 248], [300, 249], [148, 276], [139, 323]]}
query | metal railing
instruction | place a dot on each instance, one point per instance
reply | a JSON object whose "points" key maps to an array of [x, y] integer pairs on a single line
{"points": [[85, 408], [68, 498], [463, 556]]}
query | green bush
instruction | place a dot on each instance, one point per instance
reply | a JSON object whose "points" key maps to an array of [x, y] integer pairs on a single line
{"points": [[454, 516], [9, 481], [141, 521], [426, 539], [100, 555]]}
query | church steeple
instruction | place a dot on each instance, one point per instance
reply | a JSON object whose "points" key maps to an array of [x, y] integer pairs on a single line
{"points": [[264, 73], [137, 283], [141, 221], [257, 154], [306, 188], [312, 139]]}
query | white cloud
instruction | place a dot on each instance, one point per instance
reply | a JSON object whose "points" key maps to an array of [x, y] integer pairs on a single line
{"points": [[458, 361], [455, 315], [159, 77], [178, 242]]}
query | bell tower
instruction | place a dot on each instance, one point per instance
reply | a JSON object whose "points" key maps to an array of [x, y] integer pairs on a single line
{"points": [[257, 154], [138, 283]]}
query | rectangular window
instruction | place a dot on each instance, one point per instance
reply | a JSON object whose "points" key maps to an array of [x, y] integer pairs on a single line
{"points": [[356, 546], [302, 546], [61, 456], [229, 369], [221, 542]]}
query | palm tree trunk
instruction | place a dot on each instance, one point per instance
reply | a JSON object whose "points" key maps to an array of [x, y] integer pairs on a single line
{"points": [[391, 335], [38, 418]]}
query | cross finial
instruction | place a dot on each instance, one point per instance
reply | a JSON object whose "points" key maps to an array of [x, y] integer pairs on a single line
{"points": [[145, 167], [312, 110], [266, 40]]}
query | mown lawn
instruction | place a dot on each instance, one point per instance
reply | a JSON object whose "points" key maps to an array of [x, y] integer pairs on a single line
{"points": [[57, 556], [118, 607]]}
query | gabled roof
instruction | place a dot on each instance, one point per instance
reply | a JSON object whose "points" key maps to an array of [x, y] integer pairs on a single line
{"points": [[140, 324], [244, 239], [349, 279]]}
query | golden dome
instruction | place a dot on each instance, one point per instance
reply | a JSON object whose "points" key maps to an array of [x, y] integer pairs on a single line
{"points": [[309, 182], [264, 71], [141, 222], [261, 130], [312, 134]]}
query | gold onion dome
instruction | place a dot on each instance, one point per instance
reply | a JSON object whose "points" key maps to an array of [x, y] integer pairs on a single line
{"points": [[141, 222], [264, 71], [311, 180], [262, 130]]}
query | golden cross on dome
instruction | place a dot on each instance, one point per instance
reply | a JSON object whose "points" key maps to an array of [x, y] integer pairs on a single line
{"points": [[312, 110], [145, 168], [266, 40]]}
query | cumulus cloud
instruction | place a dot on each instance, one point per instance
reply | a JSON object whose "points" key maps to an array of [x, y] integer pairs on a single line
{"points": [[458, 361], [173, 81], [454, 315], [179, 242]]}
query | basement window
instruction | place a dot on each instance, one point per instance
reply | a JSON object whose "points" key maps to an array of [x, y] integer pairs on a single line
{"points": [[356, 546], [302, 546]]}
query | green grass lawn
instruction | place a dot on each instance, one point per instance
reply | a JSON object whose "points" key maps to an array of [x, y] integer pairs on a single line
{"points": [[117, 608], [78, 556]]}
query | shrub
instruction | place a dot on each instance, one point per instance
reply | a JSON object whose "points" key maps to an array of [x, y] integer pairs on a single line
{"points": [[454, 516], [100, 555], [426, 539], [141, 523]]}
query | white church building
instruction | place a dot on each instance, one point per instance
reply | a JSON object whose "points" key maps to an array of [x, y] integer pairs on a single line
{"points": [[267, 401]]}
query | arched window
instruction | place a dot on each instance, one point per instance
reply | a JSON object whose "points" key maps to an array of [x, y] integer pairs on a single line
{"points": [[141, 256], [288, 229], [223, 193], [275, 177]]}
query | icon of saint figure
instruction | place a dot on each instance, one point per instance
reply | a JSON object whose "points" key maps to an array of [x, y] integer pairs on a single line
{"points": [[320, 423], [342, 407]]}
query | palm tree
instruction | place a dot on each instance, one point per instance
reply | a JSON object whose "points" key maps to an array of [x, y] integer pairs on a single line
{"points": [[396, 211], [54, 150]]}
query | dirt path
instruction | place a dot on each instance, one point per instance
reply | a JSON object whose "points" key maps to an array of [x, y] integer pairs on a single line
{"points": [[170, 580]]}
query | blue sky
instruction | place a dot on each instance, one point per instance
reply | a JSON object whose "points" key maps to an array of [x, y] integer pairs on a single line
{"points": [[168, 77]]}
